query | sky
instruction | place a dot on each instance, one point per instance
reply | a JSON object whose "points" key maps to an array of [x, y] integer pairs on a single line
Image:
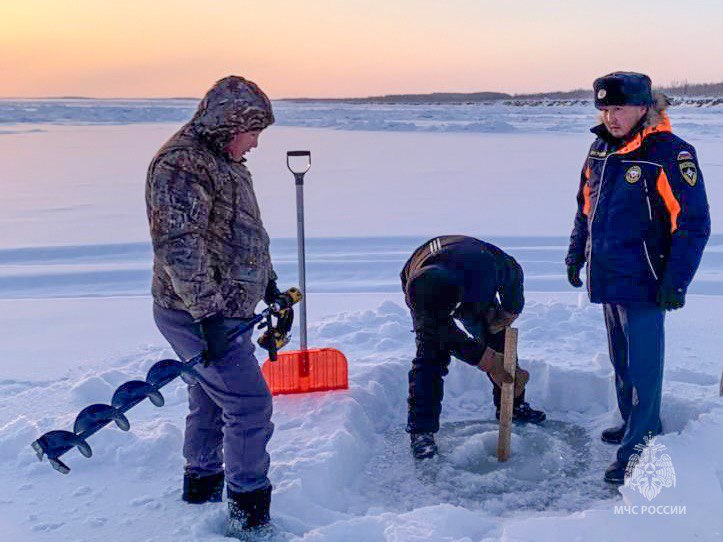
{"points": [[327, 48]]}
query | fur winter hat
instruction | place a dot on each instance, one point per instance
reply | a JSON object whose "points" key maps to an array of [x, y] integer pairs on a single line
{"points": [[623, 88]]}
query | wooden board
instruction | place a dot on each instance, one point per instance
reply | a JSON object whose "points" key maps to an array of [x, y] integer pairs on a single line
{"points": [[508, 396]]}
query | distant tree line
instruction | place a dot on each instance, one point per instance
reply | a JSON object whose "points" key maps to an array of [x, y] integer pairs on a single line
{"points": [[675, 89]]}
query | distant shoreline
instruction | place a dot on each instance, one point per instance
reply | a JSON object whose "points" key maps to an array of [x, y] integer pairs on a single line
{"points": [[677, 90]]}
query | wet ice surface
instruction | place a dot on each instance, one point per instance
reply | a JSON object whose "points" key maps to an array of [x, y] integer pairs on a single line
{"points": [[553, 466]]}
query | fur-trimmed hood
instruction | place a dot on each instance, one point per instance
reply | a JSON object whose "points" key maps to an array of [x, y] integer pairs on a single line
{"points": [[657, 111]]}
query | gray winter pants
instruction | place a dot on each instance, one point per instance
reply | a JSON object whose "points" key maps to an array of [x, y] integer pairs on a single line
{"points": [[229, 419]]}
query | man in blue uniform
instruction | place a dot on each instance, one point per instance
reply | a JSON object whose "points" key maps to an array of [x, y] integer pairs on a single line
{"points": [[641, 226], [455, 277]]}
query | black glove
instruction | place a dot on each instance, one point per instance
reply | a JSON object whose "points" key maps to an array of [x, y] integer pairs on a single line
{"points": [[670, 298], [573, 274], [272, 292], [215, 335]]}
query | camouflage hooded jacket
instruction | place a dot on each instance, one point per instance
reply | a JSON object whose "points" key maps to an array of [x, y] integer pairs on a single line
{"points": [[211, 251]]}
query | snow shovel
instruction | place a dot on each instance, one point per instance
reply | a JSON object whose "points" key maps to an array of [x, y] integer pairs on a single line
{"points": [[508, 396], [305, 370]]}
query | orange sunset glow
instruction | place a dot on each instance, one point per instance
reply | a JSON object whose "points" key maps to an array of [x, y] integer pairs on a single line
{"points": [[326, 48]]}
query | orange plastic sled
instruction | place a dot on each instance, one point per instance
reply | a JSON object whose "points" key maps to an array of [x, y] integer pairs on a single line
{"points": [[302, 371]]}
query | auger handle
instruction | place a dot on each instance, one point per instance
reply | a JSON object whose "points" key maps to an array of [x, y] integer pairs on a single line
{"points": [[287, 299], [243, 328]]}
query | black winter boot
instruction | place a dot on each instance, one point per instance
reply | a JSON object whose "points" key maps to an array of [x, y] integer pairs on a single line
{"points": [[615, 473], [423, 445], [198, 490], [613, 435], [248, 511], [524, 413]]}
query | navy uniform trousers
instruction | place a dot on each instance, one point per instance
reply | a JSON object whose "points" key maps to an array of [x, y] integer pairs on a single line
{"points": [[636, 341]]}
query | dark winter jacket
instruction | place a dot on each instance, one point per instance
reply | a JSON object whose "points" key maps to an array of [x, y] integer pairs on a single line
{"points": [[642, 220], [476, 275], [211, 251]]}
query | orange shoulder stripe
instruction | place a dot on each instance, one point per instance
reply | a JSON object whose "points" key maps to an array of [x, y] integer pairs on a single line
{"points": [[586, 192], [672, 204]]}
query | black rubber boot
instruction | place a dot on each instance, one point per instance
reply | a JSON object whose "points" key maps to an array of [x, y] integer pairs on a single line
{"points": [[198, 490], [248, 511], [423, 445], [615, 473], [523, 413], [613, 435]]}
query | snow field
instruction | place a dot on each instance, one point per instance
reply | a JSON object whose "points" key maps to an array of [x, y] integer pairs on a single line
{"points": [[78, 325], [340, 461]]}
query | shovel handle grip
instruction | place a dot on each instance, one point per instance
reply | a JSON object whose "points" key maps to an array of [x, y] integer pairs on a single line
{"points": [[299, 175]]}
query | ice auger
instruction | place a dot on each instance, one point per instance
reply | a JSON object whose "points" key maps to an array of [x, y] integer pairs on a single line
{"points": [[95, 417]]}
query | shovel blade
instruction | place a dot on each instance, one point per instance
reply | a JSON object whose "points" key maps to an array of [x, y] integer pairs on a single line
{"points": [[306, 371]]}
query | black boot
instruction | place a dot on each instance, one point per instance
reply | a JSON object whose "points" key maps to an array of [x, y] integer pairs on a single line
{"points": [[423, 445], [248, 510], [615, 473], [613, 435], [523, 413], [198, 490]]}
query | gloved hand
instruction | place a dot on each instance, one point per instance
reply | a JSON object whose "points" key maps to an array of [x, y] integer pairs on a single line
{"points": [[493, 362], [215, 335], [272, 292], [573, 274], [498, 319], [670, 298], [521, 378]]}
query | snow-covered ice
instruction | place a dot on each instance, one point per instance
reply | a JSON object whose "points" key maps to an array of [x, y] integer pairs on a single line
{"points": [[75, 314]]}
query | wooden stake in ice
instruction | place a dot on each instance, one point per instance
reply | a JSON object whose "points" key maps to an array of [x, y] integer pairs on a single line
{"points": [[508, 396]]}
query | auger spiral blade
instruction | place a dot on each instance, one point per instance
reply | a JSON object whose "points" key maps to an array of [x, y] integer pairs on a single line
{"points": [[55, 443], [164, 371], [133, 392], [95, 417]]}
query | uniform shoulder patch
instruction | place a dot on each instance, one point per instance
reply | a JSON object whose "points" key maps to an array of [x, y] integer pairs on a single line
{"points": [[684, 156], [689, 172], [633, 174]]}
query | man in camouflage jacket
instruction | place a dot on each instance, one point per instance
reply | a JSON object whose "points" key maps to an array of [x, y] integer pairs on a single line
{"points": [[211, 268]]}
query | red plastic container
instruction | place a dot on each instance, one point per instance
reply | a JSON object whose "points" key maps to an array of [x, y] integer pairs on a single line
{"points": [[303, 371]]}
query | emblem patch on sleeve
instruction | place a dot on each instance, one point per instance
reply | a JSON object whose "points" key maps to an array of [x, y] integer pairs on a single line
{"points": [[633, 174], [684, 155], [689, 172]]}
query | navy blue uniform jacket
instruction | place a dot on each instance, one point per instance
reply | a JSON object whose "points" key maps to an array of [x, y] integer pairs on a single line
{"points": [[642, 220]]}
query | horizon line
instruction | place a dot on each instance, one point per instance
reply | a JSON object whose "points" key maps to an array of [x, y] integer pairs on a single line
{"points": [[672, 85]]}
